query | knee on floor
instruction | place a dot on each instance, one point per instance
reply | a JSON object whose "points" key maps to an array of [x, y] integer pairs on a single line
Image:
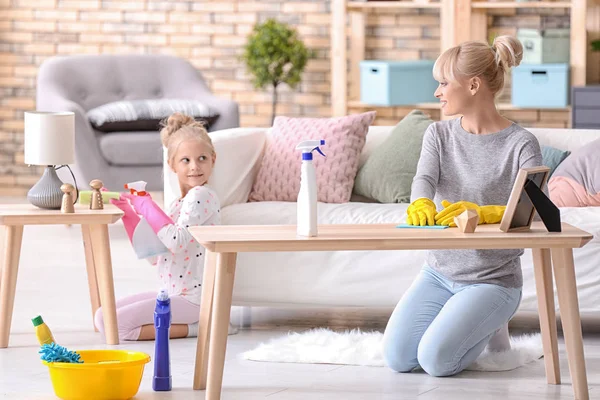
{"points": [[435, 362], [398, 358]]}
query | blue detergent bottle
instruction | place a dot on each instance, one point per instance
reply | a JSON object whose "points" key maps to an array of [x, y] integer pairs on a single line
{"points": [[162, 325]]}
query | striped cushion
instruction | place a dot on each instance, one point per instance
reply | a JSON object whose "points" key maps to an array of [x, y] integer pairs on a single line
{"points": [[145, 115]]}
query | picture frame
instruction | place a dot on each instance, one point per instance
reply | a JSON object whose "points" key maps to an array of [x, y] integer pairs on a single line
{"points": [[527, 197]]}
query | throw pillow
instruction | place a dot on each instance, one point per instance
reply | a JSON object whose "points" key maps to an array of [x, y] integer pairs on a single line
{"points": [[552, 157], [388, 173], [279, 174], [576, 181], [146, 115]]}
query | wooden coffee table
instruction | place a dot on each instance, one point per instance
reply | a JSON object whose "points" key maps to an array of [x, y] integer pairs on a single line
{"points": [[94, 228], [222, 244]]}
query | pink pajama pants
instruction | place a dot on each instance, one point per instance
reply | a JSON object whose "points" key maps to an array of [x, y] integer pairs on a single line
{"points": [[137, 310]]}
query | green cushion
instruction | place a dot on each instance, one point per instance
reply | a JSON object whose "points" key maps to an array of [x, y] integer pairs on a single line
{"points": [[388, 173], [552, 157]]}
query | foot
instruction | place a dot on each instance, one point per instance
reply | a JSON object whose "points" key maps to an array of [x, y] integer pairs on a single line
{"points": [[500, 341]]}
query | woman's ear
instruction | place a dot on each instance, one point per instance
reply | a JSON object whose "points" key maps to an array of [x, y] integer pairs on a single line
{"points": [[474, 85], [214, 158]]}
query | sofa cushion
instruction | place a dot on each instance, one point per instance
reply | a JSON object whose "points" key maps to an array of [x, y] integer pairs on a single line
{"points": [[284, 213], [387, 174], [552, 157], [146, 115], [131, 148], [279, 174], [576, 181]]}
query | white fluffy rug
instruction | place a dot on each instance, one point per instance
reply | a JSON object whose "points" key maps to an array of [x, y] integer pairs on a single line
{"points": [[323, 346]]}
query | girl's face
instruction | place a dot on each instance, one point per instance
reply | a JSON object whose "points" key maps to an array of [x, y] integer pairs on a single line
{"points": [[193, 163], [454, 95]]}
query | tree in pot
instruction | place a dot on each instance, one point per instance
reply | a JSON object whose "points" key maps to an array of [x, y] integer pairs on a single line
{"points": [[274, 55]]}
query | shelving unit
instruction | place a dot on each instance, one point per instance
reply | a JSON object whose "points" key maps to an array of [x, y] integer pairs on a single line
{"points": [[460, 20]]}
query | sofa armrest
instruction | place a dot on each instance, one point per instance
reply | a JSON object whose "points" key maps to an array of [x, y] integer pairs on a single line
{"points": [[229, 115], [239, 155]]}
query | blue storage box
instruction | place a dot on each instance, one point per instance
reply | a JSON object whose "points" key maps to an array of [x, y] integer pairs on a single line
{"points": [[540, 85], [393, 83]]}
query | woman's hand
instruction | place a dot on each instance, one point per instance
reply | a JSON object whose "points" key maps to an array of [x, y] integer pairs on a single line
{"points": [[487, 214], [421, 212]]}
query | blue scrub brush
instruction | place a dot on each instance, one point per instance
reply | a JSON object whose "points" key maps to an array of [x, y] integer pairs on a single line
{"points": [[56, 353]]}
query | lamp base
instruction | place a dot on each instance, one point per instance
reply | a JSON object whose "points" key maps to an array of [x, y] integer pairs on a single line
{"points": [[46, 192]]}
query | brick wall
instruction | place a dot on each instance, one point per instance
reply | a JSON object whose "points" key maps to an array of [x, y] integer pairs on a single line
{"points": [[210, 35]]}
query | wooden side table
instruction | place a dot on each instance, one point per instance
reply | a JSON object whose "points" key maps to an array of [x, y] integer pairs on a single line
{"points": [[551, 251], [94, 228]]}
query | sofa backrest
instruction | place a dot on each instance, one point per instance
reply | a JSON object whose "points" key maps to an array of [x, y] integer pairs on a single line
{"points": [[564, 139], [94, 80]]}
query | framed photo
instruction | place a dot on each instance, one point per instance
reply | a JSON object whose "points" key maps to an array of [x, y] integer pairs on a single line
{"points": [[520, 209]]}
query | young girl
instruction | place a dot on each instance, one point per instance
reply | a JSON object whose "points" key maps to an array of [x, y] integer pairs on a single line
{"points": [[192, 157], [462, 298]]}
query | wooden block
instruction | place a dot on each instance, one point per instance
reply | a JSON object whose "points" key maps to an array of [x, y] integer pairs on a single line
{"points": [[67, 200], [467, 221]]}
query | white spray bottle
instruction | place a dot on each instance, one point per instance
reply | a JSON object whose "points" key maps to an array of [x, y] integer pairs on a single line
{"points": [[307, 197]]}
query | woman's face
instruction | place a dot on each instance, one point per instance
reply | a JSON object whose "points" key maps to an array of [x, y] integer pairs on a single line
{"points": [[454, 96]]}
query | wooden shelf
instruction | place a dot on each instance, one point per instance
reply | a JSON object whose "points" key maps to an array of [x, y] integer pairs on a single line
{"points": [[364, 5], [435, 106], [524, 4]]}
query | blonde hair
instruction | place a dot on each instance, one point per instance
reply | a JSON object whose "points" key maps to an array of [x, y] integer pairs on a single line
{"points": [[471, 59], [180, 127]]}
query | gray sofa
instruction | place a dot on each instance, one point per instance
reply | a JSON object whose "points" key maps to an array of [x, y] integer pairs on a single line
{"points": [[80, 83]]}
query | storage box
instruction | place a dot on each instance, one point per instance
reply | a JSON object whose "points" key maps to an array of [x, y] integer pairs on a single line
{"points": [[545, 46], [392, 83], [540, 85]]}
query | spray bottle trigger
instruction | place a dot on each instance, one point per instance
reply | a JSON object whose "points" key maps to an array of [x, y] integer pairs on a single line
{"points": [[320, 152]]}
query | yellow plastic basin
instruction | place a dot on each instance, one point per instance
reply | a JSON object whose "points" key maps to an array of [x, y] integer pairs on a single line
{"points": [[104, 375]]}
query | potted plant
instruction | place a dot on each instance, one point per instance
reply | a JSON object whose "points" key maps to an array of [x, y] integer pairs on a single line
{"points": [[274, 55]]}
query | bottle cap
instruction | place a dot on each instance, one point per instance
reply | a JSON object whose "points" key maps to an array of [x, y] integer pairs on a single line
{"points": [[37, 320]]}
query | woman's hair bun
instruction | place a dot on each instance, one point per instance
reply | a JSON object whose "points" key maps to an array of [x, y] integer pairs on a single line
{"points": [[509, 51]]}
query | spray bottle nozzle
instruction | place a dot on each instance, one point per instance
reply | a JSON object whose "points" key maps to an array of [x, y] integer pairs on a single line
{"points": [[308, 146]]}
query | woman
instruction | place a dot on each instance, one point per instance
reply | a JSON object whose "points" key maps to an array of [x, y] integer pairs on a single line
{"points": [[462, 300]]}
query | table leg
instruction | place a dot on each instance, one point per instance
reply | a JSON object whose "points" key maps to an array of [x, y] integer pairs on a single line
{"points": [[206, 304], [13, 237], [564, 273], [104, 274], [91, 271], [220, 323], [542, 268]]}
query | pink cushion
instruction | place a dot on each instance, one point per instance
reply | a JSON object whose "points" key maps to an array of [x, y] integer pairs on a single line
{"points": [[279, 176], [576, 181]]}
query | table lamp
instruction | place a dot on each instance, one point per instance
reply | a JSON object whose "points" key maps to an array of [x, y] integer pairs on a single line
{"points": [[49, 141]]}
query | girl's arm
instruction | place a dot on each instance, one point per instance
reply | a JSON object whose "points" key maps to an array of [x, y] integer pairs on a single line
{"points": [[199, 205], [428, 168]]}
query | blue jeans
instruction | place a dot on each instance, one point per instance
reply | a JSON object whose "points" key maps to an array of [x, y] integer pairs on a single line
{"points": [[443, 326]]}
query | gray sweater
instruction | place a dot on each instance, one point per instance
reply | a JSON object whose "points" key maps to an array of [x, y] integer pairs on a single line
{"points": [[457, 165]]}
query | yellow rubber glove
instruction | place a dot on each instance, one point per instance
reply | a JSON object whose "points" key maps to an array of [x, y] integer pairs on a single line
{"points": [[487, 214], [421, 212]]}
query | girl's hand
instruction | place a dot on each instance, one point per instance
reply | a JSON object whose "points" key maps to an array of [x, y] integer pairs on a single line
{"points": [[139, 203]]}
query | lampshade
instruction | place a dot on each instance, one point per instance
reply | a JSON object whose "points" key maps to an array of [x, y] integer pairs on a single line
{"points": [[49, 138]]}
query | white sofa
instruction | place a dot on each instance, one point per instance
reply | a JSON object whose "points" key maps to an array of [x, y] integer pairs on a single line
{"points": [[361, 278]]}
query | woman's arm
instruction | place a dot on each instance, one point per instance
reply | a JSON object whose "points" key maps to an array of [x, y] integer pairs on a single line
{"points": [[428, 169]]}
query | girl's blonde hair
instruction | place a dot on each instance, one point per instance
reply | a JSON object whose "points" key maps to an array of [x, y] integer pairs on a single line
{"points": [[180, 127], [471, 59]]}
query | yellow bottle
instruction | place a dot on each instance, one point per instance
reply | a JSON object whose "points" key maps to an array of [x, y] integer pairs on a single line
{"points": [[42, 331]]}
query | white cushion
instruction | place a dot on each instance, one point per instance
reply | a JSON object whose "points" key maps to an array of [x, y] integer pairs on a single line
{"points": [[239, 151]]}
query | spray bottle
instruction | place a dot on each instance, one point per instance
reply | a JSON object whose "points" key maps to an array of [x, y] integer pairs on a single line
{"points": [[162, 325], [307, 197]]}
